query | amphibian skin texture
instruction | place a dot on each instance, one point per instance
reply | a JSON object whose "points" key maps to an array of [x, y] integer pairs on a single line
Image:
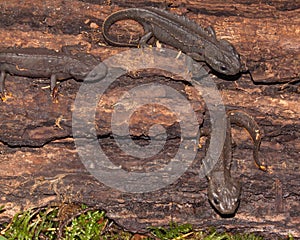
{"points": [[181, 33], [46, 63], [223, 190]]}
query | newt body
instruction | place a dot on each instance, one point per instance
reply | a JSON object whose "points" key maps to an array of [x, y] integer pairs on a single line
{"points": [[181, 33], [223, 190], [45, 63]]}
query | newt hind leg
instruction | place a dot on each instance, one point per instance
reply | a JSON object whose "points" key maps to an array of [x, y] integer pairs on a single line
{"points": [[3, 93]]}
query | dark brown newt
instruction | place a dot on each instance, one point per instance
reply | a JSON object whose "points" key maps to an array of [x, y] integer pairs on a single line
{"points": [[45, 63], [181, 33], [223, 190]]}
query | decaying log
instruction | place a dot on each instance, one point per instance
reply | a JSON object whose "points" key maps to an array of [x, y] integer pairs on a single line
{"points": [[38, 157]]}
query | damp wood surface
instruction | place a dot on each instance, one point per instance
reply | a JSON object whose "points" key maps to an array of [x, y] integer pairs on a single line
{"points": [[40, 163]]}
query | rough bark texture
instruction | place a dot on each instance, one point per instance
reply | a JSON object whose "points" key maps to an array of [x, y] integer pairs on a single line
{"points": [[38, 157]]}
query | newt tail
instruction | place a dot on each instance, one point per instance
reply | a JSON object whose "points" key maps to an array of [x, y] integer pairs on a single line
{"points": [[244, 120]]}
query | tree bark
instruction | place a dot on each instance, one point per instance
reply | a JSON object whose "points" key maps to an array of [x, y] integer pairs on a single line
{"points": [[40, 162]]}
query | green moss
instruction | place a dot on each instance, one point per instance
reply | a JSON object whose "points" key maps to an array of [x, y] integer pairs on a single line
{"points": [[88, 224], [30, 224], [173, 231]]}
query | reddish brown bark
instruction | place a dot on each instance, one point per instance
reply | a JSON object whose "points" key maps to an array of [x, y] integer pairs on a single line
{"points": [[39, 161]]}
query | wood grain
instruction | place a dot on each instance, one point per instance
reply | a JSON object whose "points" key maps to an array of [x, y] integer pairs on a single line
{"points": [[40, 163]]}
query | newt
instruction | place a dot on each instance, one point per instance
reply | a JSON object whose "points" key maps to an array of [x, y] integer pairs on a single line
{"points": [[179, 32], [46, 63], [223, 190]]}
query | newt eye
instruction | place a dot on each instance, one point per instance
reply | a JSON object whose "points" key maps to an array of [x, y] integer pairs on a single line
{"points": [[223, 68], [216, 201]]}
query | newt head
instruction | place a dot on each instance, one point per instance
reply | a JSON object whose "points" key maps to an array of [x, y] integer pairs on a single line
{"points": [[224, 195], [222, 57]]}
